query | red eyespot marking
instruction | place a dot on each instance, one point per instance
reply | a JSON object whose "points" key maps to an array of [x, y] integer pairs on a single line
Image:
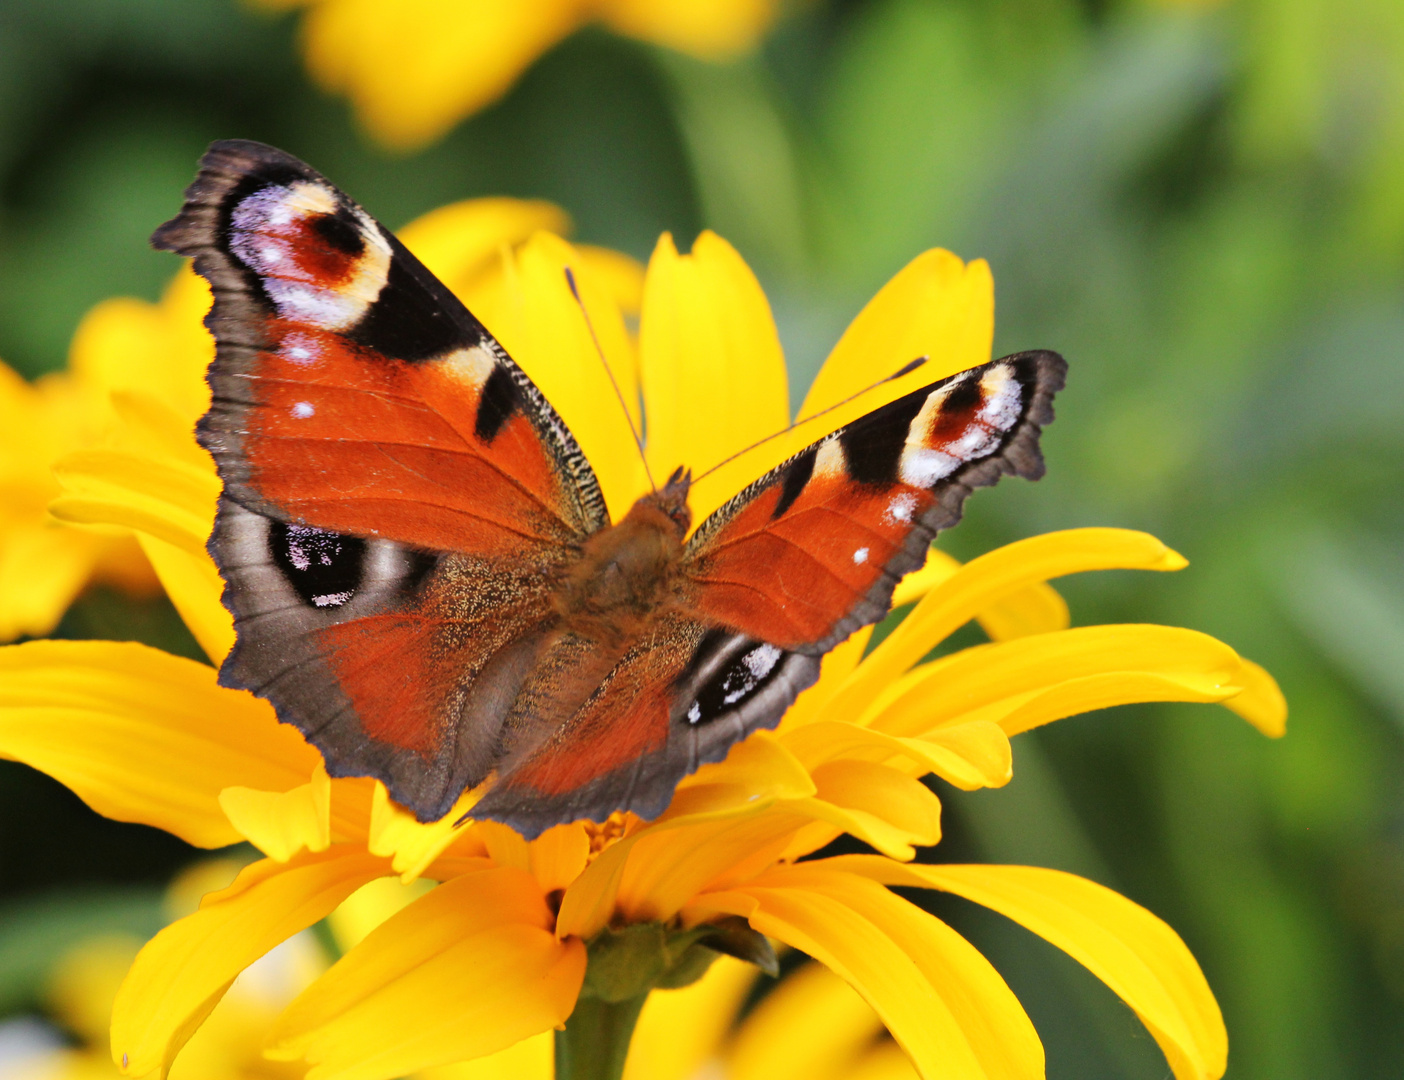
{"points": [[959, 410]]}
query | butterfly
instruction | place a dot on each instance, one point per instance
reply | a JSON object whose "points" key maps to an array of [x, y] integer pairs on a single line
{"points": [[422, 571]]}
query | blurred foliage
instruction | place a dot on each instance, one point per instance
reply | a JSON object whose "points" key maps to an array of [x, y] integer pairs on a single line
{"points": [[1202, 207]]}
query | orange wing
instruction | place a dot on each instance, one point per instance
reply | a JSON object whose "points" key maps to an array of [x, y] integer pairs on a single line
{"points": [[812, 550], [398, 495]]}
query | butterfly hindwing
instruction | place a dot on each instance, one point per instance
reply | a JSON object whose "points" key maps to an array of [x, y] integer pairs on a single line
{"points": [[680, 697], [397, 492], [812, 550]]}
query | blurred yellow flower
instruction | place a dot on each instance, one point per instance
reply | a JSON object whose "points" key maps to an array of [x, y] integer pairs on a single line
{"points": [[414, 68], [45, 564], [516, 937]]}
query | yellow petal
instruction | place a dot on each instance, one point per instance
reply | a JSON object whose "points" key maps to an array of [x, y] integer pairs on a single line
{"points": [[986, 581], [44, 565], [462, 241], [530, 1059], [159, 482], [1123, 944], [185, 969], [194, 587], [758, 772], [834, 670], [940, 998], [679, 1030], [1034, 609], [412, 845], [505, 846], [666, 869], [970, 755], [538, 321], [128, 345], [369, 906], [877, 804], [621, 276], [557, 856], [987, 681], [935, 571], [758, 768], [140, 735], [1020, 712], [466, 970], [713, 374], [414, 69], [1261, 703], [885, 1061], [812, 1025], [715, 30], [937, 307], [282, 823]]}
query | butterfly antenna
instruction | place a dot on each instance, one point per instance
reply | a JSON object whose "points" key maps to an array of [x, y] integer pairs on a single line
{"points": [[575, 292], [906, 369]]}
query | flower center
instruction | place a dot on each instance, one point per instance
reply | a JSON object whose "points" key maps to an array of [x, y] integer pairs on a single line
{"points": [[606, 832]]}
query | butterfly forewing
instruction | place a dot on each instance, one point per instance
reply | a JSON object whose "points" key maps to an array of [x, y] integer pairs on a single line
{"points": [[398, 495], [812, 550]]}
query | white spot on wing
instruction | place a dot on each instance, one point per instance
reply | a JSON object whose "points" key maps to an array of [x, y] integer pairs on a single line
{"points": [[335, 599], [300, 348], [860, 556], [760, 660], [900, 508], [694, 714], [303, 409], [1003, 398], [923, 468], [744, 676]]}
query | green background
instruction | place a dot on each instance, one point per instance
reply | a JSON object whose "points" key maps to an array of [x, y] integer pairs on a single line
{"points": [[1201, 207]]}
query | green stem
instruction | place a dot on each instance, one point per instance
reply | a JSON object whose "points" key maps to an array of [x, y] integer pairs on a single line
{"points": [[595, 1041]]}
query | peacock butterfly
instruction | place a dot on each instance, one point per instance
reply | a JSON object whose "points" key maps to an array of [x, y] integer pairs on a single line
{"points": [[422, 572]]}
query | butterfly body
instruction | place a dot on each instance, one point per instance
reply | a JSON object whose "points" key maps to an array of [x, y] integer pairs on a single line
{"points": [[422, 572]]}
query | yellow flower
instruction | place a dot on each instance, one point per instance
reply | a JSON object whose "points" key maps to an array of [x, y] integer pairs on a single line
{"points": [[496, 951], [414, 68], [45, 564]]}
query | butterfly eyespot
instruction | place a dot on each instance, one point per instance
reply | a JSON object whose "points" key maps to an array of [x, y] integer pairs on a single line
{"points": [[740, 679], [338, 231], [324, 568]]}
